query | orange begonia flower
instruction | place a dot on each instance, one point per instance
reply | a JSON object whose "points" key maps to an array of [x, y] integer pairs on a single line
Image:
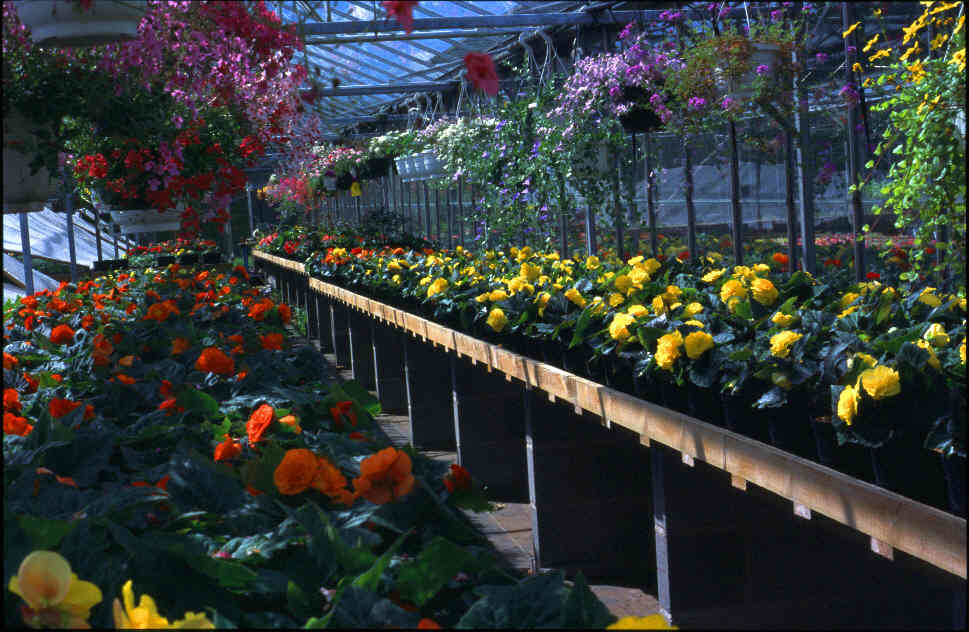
{"points": [[291, 420], [236, 339], [153, 295], [57, 377], [284, 313], [296, 471], [63, 480], [32, 384], [12, 424], [343, 409], [161, 484], [59, 407], [213, 360], [9, 362], [428, 624], [11, 400], [259, 310], [271, 342], [88, 412], [125, 379], [384, 476], [102, 345], [127, 361], [87, 322], [241, 375], [228, 449], [166, 390], [259, 422], [130, 308], [253, 491], [780, 258], [170, 406], [330, 481], [180, 345], [62, 335]]}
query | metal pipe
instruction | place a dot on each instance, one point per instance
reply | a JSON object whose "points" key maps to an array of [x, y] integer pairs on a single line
{"points": [[28, 260], [71, 245]]}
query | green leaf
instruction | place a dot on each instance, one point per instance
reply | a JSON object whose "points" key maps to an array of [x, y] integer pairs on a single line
{"points": [[370, 579], [583, 610], [198, 401], [436, 565], [45, 534], [361, 397], [535, 602], [773, 398]]}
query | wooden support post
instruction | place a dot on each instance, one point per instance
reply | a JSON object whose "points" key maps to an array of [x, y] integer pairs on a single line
{"points": [[578, 467], [805, 162], [591, 245], [312, 313], [790, 191], [324, 322], [489, 420], [361, 349], [388, 361], [651, 210], [688, 195], [854, 166], [427, 212], [429, 406], [339, 332]]}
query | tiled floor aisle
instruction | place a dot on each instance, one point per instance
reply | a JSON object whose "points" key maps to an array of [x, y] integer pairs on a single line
{"points": [[510, 530]]}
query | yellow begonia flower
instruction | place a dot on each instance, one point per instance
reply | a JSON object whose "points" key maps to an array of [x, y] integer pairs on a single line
{"points": [[497, 319], [592, 262], [848, 403], [618, 327], [962, 351], [848, 299], [850, 30], [638, 276], [145, 615], [871, 43], [713, 276], [868, 359], [929, 298], [396, 279], [780, 344], [633, 261], [692, 309], [482, 298], [848, 311], [637, 310], [437, 287], [529, 272], [497, 295], [697, 343], [885, 52], [573, 295], [55, 596], [425, 281], [695, 323], [659, 306], [652, 622], [761, 268], [624, 284], [880, 382], [933, 359], [732, 289], [616, 299], [598, 305], [652, 265], [668, 350], [763, 291], [783, 320], [936, 335]]}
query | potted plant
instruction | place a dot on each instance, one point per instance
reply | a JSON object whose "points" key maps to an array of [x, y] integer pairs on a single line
{"points": [[79, 23]]}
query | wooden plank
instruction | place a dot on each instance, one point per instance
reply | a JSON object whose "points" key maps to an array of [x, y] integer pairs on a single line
{"points": [[894, 521]]}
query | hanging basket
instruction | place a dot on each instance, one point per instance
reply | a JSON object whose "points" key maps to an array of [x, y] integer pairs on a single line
{"points": [[639, 118], [147, 221], [61, 24], [22, 190]]}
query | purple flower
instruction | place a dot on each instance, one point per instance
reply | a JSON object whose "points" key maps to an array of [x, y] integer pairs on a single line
{"points": [[860, 127], [849, 93], [626, 31], [762, 69], [777, 15], [852, 50], [614, 91], [697, 102], [821, 57], [724, 11], [656, 99], [726, 103]]}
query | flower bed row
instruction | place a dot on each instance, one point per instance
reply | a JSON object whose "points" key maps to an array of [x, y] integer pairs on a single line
{"points": [[799, 361], [161, 424]]}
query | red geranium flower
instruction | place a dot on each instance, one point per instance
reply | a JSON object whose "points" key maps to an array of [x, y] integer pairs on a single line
{"points": [[481, 72], [403, 10]]}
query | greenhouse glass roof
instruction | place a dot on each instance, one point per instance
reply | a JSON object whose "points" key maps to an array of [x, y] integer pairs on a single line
{"points": [[387, 56]]}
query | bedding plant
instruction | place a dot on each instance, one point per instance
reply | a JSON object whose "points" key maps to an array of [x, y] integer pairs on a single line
{"points": [[762, 349], [162, 424]]}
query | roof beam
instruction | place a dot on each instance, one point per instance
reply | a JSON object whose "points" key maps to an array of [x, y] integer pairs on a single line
{"points": [[352, 27], [394, 88], [394, 37]]}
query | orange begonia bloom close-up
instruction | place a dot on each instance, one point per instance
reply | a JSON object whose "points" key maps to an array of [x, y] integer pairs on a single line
{"points": [[384, 476], [341, 410], [180, 345], [62, 335], [228, 449], [59, 407], [295, 472], [259, 422], [272, 341], [213, 360], [14, 425]]}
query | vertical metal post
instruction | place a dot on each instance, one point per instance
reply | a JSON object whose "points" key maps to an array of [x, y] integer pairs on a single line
{"points": [[450, 220], [252, 226], [461, 210], [563, 220], [427, 210], [437, 215], [857, 212], [736, 217], [805, 160], [228, 238], [688, 194], [97, 230], [634, 233], [28, 260], [71, 245], [790, 188], [359, 215], [650, 209], [114, 233], [617, 211], [591, 246]]}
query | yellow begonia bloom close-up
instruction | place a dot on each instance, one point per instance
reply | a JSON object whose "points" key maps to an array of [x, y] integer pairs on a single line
{"points": [[880, 382], [437, 287], [145, 615], [668, 350], [497, 319], [848, 403], [573, 295], [936, 335], [55, 596], [713, 276], [618, 327], [780, 344], [637, 310], [652, 622], [764, 291], [697, 343], [732, 289], [783, 320]]}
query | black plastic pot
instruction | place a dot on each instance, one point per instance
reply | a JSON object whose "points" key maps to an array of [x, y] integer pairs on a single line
{"points": [[101, 266], [789, 429], [703, 404], [376, 167], [343, 182], [212, 257], [256, 279], [188, 259], [165, 260], [740, 416], [954, 468], [902, 465]]}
